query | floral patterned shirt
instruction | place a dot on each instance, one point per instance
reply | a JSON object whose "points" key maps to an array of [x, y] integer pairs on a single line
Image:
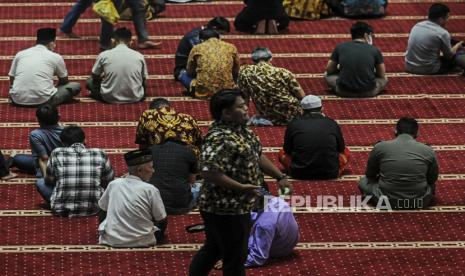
{"points": [[273, 91], [214, 63], [157, 125], [235, 151]]}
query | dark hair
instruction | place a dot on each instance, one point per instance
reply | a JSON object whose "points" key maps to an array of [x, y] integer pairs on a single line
{"points": [[122, 34], [206, 34], [159, 102], [407, 125], [437, 11], [219, 23], [261, 53], [72, 134], [359, 29], [47, 115], [222, 100]]}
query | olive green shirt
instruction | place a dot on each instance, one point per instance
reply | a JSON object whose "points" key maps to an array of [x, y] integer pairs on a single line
{"points": [[402, 167]]}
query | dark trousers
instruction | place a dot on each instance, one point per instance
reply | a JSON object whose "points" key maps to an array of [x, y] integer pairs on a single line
{"points": [[226, 238], [3, 166], [247, 19]]}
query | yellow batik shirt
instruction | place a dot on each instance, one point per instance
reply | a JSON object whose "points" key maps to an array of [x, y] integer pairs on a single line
{"points": [[213, 63], [272, 90], [157, 125]]}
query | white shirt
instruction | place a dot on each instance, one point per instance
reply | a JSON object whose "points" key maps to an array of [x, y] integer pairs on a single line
{"points": [[123, 71], [132, 207], [33, 70]]}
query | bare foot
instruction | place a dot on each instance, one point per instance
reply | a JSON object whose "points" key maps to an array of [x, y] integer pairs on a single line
{"points": [[218, 265], [261, 26], [271, 27], [8, 177]]}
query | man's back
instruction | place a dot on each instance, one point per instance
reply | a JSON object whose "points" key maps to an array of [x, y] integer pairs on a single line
{"points": [[173, 164], [314, 143], [132, 207], [406, 167], [33, 70], [157, 125], [78, 173], [124, 72], [357, 61], [426, 41], [214, 62], [273, 91], [188, 41], [43, 141]]}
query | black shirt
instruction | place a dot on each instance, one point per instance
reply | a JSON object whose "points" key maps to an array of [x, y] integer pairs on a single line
{"points": [[173, 162], [357, 61], [188, 41], [314, 143]]}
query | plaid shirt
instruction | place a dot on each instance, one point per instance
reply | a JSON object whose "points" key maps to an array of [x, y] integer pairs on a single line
{"points": [[234, 151], [78, 174]]}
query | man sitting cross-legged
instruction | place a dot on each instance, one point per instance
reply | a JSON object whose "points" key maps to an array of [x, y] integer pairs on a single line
{"points": [[135, 215], [401, 171], [262, 16], [430, 49], [275, 91], [356, 68], [76, 176], [314, 147], [119, 74], [32, 72]]}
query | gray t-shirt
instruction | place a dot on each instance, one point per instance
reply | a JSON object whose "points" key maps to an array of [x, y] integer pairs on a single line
{"points": [[426, 41], [43, 141], [357, 62], [123, 71]]}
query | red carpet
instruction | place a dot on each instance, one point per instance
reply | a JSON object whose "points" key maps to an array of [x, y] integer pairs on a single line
{"points": [[333, 241]]}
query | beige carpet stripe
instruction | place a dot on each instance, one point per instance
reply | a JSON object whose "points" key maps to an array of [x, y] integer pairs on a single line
{"points": [[226, 37], [244, 56], [200, 19], [296, 210], [214, 3], [345, 178], [264, 149], [50, 248], [323, 97], [298, 76], [208, 123]]}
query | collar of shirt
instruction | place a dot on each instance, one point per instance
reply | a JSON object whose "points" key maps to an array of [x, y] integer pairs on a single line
{"points": [[405, 137], [130, 176], [78, 147], [224, 125], [42, 47]]}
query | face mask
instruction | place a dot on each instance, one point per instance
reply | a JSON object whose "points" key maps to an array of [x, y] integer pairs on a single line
{"points": [[369, 40]]}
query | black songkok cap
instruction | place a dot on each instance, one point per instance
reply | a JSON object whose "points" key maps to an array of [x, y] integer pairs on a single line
{"points": [[138, 157], [46, 34]]}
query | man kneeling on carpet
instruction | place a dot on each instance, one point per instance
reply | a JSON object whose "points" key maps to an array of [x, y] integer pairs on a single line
{"points": [[401, 173], [75, 176], [136, 215], [314, 147]]}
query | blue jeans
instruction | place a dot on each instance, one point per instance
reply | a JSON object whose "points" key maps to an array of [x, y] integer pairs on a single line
{"points": [[73, 15], [25, 163], [138, 10], [185, 79], [44, 190], [195, 190]]}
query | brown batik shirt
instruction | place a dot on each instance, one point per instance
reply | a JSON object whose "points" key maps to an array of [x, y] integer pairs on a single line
{"points": [[234, 151], [272, 90]]}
